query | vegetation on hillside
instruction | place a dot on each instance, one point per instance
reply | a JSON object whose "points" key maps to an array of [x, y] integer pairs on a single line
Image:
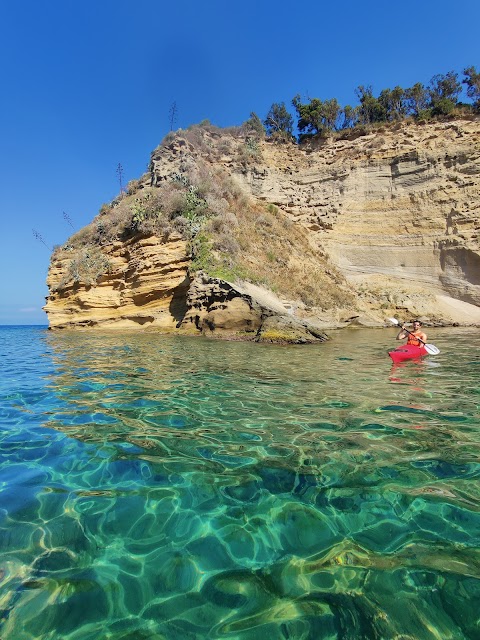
{"points": [[439, 98], [230, 236]]}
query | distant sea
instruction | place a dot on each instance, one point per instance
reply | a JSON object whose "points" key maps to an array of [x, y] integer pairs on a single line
{"points": [[157, 487]]}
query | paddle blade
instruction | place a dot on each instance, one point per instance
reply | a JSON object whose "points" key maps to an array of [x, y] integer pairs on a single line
{"points": [[393, 321], [432, 349]]}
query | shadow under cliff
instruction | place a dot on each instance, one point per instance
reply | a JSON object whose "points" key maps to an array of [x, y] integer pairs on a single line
{"points": [[178, 303]]}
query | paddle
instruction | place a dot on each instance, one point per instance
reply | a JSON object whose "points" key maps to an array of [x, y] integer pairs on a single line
{"points": [[429, 348]]}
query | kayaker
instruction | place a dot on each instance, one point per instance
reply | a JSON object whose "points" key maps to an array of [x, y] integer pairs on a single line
{"points": [[414, 336]]}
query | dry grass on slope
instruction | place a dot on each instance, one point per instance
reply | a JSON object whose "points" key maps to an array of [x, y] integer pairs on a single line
{"points": [[230, 236], [276, 253]]}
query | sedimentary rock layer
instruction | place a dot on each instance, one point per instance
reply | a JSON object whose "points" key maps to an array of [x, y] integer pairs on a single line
{"points": [[403, 203], [397, 211], [146, 285]]}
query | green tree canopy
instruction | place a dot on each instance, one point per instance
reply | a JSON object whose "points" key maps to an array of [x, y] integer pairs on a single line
{"points": [[370, 109], [331, 111], [394, 103], [472, 80], [444, 90], [350, 117], [416, 99], [317, 116], [279, 122], [254, 126]]}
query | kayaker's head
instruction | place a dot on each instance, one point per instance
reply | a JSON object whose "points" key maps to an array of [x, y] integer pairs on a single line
{"points": [[417, 324]]}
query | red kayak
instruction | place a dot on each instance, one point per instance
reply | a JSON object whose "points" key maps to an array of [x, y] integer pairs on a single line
{"points": [[407, 352]]}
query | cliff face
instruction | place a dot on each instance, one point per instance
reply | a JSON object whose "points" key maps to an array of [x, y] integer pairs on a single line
{"points": [[400, 204], [145, 285], [387, 223]]}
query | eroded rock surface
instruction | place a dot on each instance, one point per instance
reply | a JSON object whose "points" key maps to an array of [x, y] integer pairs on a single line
{"points": [[145, 286], [401, 203], [216, 306], [396, 211]]}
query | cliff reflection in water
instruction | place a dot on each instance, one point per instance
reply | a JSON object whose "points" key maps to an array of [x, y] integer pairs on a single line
{"points": [[238, 490]]}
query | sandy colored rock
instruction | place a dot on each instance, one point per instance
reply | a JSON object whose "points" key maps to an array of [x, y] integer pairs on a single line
{"points": [[396, 212], [403, 203], [216, 305], [145, 286]]}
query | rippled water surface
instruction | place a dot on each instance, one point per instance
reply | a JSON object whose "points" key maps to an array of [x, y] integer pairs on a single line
{"points": [[169, 488]]}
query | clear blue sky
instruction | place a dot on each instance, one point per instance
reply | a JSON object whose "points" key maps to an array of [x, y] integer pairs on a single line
{"points": [[87, 85]]}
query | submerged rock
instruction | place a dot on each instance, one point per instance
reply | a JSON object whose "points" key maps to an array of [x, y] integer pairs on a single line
{"points": [[288, 330]]}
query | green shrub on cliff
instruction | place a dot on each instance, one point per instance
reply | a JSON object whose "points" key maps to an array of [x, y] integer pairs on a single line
{"points": [[317, 116], [87, 264], [254, 127], [228, 235], [279, 123], [472, 80], [438, 100]]}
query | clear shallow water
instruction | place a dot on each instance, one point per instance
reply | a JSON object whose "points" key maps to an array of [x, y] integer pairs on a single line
{"points": [[164, 488]]}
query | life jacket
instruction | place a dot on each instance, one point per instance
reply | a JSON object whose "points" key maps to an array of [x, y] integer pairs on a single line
{"points": [[412, 340]]}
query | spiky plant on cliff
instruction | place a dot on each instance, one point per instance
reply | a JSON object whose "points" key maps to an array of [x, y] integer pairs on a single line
{"points": [[229, 236]]}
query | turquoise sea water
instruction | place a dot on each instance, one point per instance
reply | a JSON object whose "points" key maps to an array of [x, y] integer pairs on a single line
{"points": [[174, 488]]}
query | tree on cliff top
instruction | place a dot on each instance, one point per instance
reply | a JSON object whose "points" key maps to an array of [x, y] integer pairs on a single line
{"points": [[416, 99], [444, 90], [394, 103], [317, 116], [279, 122], [472, 80], [254, 126], [370, 109]]}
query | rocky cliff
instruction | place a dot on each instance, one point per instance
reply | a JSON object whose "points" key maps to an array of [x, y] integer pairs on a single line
{"points": [[227, 233], [401, 203]]}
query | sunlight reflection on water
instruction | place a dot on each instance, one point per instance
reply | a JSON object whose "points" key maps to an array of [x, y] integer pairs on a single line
{"points": [[169, 487]]}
